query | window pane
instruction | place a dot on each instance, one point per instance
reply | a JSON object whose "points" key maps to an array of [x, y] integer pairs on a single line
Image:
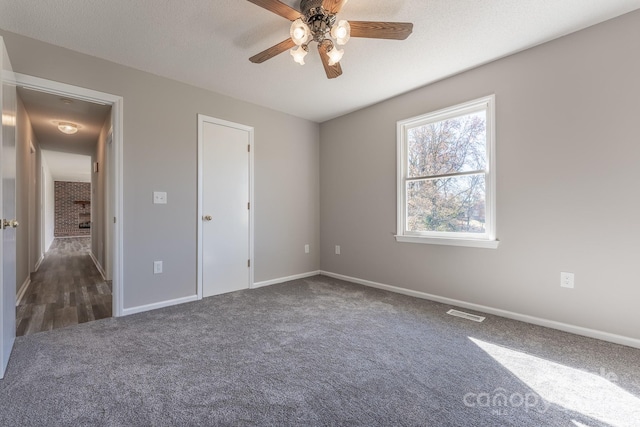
{"points": [[449, 146], [453, 204]]}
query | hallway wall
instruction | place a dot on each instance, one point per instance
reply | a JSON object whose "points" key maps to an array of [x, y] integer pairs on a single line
{"points": [[99, 226], [48, 191], [27, 204]]}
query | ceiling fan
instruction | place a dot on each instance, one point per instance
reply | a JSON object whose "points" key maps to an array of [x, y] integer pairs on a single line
{"points": [[317, 22]]}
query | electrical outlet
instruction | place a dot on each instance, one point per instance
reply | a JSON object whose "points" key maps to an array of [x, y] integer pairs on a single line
{"points": [[567, 280], [306, 249], [157, 267], [337, 249], [159, 198]]}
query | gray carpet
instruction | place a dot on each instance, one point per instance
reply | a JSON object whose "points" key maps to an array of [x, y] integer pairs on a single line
{"points": [[316, 351]]}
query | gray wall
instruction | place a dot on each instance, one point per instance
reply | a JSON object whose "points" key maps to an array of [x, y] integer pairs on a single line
{"points": [[98, 196], [567, 174], [160, 141], [48, 190]]}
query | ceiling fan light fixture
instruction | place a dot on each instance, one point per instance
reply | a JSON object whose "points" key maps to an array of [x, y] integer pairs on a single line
{"points": [[68, 128], [316, 21], [335, 55], [341, 32], [299, 32], [299, 54]]}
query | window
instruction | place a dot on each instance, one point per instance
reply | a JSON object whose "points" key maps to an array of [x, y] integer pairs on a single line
{"points": [[446, 176]]}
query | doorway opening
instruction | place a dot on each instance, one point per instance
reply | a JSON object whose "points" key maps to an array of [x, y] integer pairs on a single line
{"points": [[74, 220]]}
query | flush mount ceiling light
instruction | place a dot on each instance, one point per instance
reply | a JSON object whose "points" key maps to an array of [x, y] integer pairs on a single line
{"points": [[68, 128], [317, 22]]}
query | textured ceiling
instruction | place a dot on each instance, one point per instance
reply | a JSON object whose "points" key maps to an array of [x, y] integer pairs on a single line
{"points": [[207, 43], [68, 167]]}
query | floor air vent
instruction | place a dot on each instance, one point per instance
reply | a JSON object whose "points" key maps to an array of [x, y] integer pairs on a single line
{"points": [[464, 315]]}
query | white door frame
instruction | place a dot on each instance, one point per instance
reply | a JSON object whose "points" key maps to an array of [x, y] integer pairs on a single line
{"points": [[201, 120], [116, 102]]}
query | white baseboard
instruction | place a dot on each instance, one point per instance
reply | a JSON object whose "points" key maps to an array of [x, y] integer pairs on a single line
{"points": [[578, 330], [162, 304], [39, 262], [98, 266], [284, 279], [22, 290], [154, 306]]}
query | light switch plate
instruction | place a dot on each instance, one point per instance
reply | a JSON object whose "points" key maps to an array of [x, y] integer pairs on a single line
{"points": [[159, 197]]}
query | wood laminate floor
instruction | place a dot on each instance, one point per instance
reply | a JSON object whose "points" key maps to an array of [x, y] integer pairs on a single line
{"points": [[66, 290]]}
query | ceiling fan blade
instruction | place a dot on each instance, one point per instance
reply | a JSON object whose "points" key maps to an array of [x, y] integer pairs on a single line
{"points": [[381, 30], [278, 8], [334, 6], [332, 71], [272, 51]]}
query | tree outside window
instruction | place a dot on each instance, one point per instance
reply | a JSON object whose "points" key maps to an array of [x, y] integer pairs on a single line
{"points": [[445, 173]]}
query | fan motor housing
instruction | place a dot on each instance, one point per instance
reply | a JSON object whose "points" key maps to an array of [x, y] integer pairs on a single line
{"points": [[317, 18], [307, 5]]}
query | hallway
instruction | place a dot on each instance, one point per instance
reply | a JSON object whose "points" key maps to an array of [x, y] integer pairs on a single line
{"points": [[66, 290]]}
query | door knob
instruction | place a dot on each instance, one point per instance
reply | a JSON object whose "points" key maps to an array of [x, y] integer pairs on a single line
{"points": [[207, 217], [14, 223]]}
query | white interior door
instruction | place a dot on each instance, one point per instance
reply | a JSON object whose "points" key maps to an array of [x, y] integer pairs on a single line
{"points": [[7, 215], [225, 187]]}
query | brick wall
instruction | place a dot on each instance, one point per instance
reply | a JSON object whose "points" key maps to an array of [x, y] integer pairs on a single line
{"points": [[68, 214]]}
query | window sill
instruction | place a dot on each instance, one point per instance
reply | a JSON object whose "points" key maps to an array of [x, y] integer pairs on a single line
{"points": [[472, 243]]}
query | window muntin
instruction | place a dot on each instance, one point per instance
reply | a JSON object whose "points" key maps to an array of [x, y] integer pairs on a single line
{"points": [[445, 173]]}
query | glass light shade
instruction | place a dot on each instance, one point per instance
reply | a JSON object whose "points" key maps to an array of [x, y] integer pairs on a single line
{"points": [[299, 32], [68, 128], [335, 55], [341, 32], [299, 54]]}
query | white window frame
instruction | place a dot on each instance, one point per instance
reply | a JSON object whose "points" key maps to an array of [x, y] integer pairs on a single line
{"points": [[484, 240]]}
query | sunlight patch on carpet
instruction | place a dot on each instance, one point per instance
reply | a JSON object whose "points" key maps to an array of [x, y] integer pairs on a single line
{"points": [[593, 395]]}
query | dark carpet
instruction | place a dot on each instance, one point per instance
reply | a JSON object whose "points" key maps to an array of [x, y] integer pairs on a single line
{"points": [[320, 352]]}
